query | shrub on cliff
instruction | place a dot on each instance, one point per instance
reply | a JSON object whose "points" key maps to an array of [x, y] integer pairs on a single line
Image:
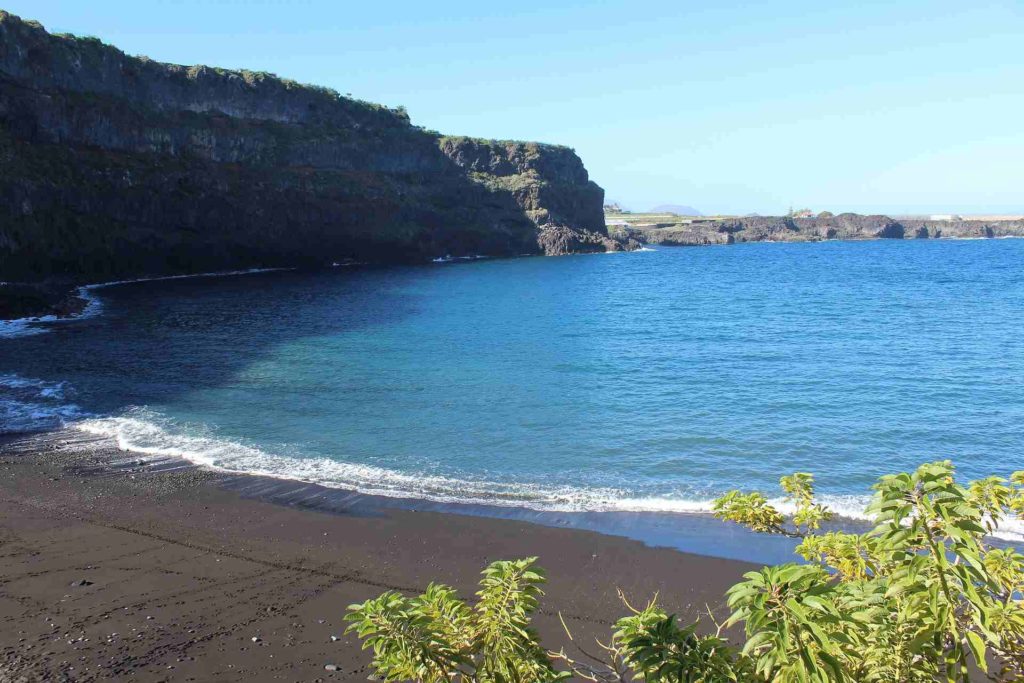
{"points": [[920, 597]]}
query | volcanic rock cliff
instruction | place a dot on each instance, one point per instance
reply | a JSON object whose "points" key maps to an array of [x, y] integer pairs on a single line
{"points": [[114, 166]]}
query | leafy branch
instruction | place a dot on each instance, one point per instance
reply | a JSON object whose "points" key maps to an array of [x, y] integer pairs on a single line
{"points": [[921, 597]]}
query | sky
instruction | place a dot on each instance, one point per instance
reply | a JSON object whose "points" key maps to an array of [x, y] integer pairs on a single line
{"points": [[898, 107]]}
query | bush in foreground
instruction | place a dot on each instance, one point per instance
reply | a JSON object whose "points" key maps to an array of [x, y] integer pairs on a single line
{"points": [[920, 597]]}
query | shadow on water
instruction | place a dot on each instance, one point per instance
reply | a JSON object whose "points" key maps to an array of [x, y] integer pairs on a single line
{"points": [[155, 341]]}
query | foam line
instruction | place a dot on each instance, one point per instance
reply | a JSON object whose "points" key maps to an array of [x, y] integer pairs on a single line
{"points": [[143, 432], [20, 327], [31, 405]]}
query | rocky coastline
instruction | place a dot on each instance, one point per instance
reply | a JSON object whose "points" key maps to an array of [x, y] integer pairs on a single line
{"points": [[825, 226], [117, 167]]}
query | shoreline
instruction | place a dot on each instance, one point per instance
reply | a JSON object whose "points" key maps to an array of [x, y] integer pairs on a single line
{"points": [[169, 572], [695, 532], [13, 327], [92, 306]]}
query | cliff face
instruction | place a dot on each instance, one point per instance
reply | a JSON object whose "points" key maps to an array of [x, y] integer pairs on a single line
{"points": [[549, 183], [115, 166], [847, 226]]}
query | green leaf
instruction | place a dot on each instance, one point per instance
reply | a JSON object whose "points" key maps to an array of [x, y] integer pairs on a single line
{"points": [[977, 645]]}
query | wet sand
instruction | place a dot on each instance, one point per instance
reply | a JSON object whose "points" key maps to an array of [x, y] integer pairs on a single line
{"points": [[165, 573]]}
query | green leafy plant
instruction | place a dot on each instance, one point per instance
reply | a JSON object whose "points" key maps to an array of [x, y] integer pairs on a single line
{"points": [[649, 645], [437, 636], [754, 511], [921, 596]]}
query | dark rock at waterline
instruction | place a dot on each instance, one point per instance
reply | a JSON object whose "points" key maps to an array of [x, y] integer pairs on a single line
{"points": [[557, 240], [114, 166], [39, 299]]}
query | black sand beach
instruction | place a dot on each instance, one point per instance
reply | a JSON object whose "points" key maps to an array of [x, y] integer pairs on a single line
{"points": [[167, 575]]}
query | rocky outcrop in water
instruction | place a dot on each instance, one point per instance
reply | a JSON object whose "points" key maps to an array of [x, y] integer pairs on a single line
{"points": [[114, 166], [846, 226]]}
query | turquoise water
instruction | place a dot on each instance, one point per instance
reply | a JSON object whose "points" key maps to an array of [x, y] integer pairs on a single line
{"points": [[643, 381]]}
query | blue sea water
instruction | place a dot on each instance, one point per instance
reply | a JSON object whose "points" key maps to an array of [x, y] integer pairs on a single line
{"points": [[647, 381]]}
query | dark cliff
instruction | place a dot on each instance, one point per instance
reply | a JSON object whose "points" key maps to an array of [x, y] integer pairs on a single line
{"points": [[846, 226], [115, 166]]}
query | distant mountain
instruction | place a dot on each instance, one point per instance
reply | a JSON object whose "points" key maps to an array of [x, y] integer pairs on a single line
{"points": [[678, 209]]}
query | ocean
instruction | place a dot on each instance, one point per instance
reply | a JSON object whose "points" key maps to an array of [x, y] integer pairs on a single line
{"points": [[646, 382]]}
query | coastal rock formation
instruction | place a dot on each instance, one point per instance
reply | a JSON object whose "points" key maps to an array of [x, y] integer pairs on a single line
{"points": [[825, 226], [116, 166], [39, 299]]}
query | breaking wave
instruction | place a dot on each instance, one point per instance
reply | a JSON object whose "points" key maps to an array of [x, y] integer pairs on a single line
{"points": [[145, 432], [31, 405]]}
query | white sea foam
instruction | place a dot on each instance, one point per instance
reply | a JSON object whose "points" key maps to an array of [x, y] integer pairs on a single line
{"points": [[141, 431], [144, 432], [845, 506], [979, 238], [31, 405], [449, 259], [21, 327]]}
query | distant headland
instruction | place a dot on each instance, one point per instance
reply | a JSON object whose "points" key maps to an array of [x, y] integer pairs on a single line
{"points": [[671, 229]]}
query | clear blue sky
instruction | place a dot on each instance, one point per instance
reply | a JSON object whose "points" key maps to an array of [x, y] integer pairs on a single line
{"points": [[734, 107]]}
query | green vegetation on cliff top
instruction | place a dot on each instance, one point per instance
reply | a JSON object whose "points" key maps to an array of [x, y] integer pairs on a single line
{"points": [[91, 45]]}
